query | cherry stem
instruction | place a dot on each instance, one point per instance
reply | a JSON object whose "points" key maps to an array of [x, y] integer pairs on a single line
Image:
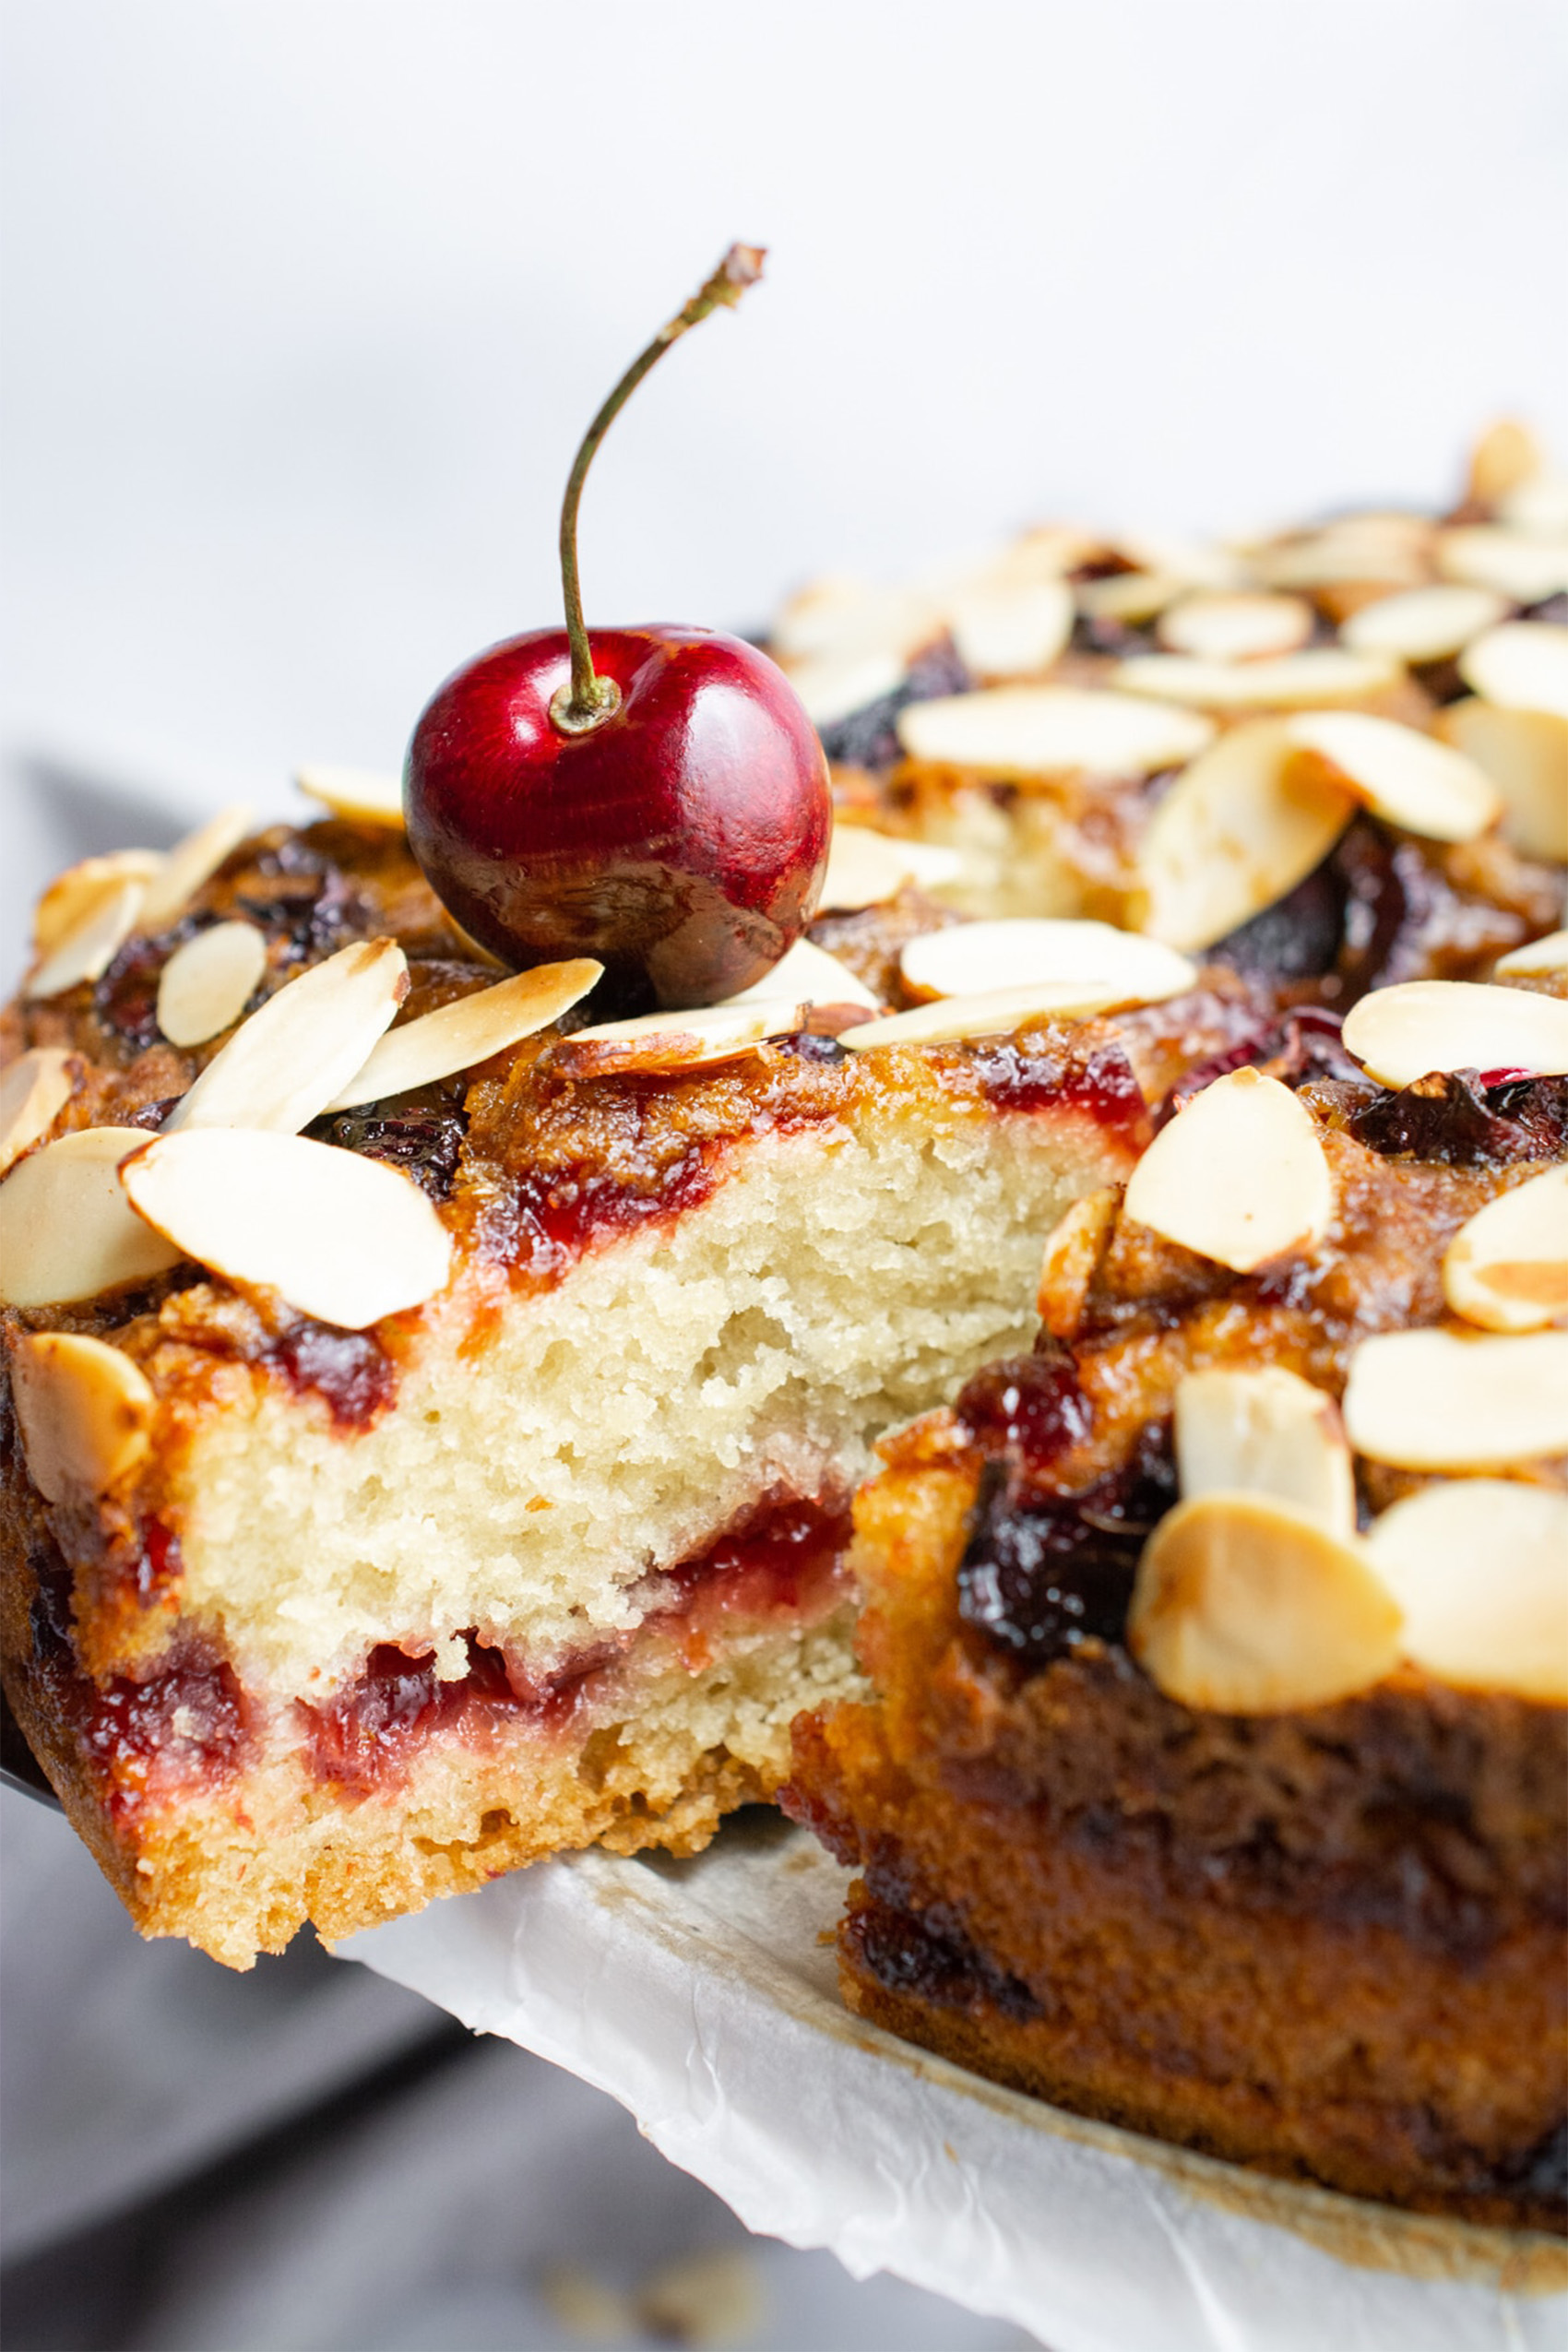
{"points": [[589, 699]]}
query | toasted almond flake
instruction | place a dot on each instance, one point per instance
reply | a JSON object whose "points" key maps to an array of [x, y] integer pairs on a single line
{"points": [[1402, 776], [1072, 1252], [1522, 568], [1522, 665], [831, 685], [84, 1411], [1424, 624], [193, 863], [1265, 1431], [1195, 563], [1404, 1032], [66, 1229], [1318, 674], [1538, 508], [1247, 820], [865, 867], [849, 616], [996, 1012], [1541, 956], [1445, 1400], [1507, 1267], [1347, 555], [87, 951], [1047, 552], [1011, 630], [363, 795], [1133, 597], [71, 895], [1236, 627], [809, 973], [34, 1089], [345, 1239], [1020, 732], [688, 1041], [973, 959], [471, 1030], [1478, 1566], [1507, 455], [1239, 1176], [1250, 1605], [1526, 754], [283, 1066], [208, 983]]}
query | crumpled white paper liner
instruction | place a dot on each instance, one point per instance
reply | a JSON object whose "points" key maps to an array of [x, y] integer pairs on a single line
{"points": [[701, 1995]]}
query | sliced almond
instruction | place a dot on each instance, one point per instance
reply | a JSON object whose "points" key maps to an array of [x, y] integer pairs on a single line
{"points": [[997, 1012], [1265, 1431], [66, 1229], [1512, 564], [1072, 1252], [1404, 1032], [70, 895], [1391, 550], [1011, 631], [1522, 665], [1250, 1605], [865, 867], [1317, 675], [809, 973], [831, 685], [1195, 562], [1507, 1267], [208, 980], [1507, 455], [87, 951], [283, 1066], [193, 863], [1424, 624], [1237, 627], [1541, 956], [469, 1029], [680, 1041], [1539, 509], [1478, 1565], [1246, 821], [363, 795], [34, 1089], [843, 616], [1132, 597], [344, 1239], [1402, 776], [1239, 1176], [971, 959], [1022, 731], [1441, 1400], [84, 1411], [1526, 754]]}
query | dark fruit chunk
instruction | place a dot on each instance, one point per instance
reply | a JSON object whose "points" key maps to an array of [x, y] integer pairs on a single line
{"points": [[927, 1953], [1029, 1409], [869, 737], [1453, 1117]]}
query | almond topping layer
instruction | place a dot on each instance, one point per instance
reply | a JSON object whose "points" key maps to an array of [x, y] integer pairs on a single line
{"points": [[469, 1031], [948, 1021], [1402, 777], [84, 1411], [1538, 956], [1021, 732], [1507, 1268], [1440, 1400], [283, 1066], [1239, 1176], [34, 1089], [71, 894], [1517, 565], [1073, 1251], [1265, 1431], [363, 795], [809, 972], [208, 980], [66, 1229], [1022, 951], [86, 950], [1423, 624], [679, 1040], [1526, 754], [1315, 676], [1522, 665], [1218, 628], [1407, 1031], [865, 867], [191, 863], [1479, 1567], [1010, 630]]}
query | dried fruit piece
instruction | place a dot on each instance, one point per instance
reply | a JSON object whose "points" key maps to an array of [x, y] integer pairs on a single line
{"points": [[865, 867], [1402, 777], [680, 1041], [469, 1029], [1479, 1567], [1445, 1400], [971, 959], [363, 795], [1316, 675], [1404, 1032], [345, 1239], [192, 862], [88, 948], [1242, 825], [1239, 1175], [33, 1091], [283, 1066], [1514, 563], [208, 983], [1522, 665], [1010, 630], [1073, 1251], [1022, 731], [84, 1411], [1265, 1431], [808, 972], [66, 1229], [1218, 627], [996, 1012], [70, 895], [1250, 1605], [1526, 754], [1539, 955], [1424, 624], [1507, 1267]]}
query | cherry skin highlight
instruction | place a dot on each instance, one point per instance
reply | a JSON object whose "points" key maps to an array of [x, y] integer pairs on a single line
{"points": [[682, 840]]}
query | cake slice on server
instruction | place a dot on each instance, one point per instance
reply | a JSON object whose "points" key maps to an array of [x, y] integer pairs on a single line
{"points": [[468, 1477]]}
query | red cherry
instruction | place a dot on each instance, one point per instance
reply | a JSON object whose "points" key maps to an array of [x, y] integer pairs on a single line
{"points": [[655, 797]]}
